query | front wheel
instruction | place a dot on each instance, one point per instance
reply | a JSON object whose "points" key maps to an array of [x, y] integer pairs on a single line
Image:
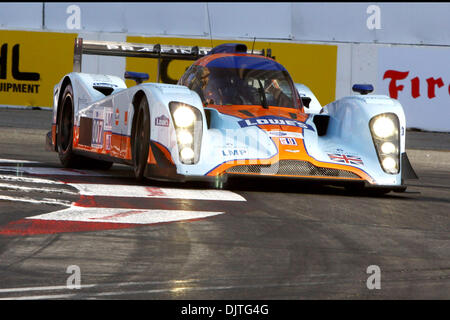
{"points": [[141, 137]]}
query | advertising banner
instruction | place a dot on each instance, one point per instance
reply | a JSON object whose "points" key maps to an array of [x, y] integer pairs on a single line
{"points": [[314, 65], [31, 63], [420, 79]]}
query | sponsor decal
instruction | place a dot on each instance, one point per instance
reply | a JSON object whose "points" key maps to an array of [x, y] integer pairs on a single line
{"points": [[117, 116], [108, 141], [16, 74], [108, 119], [419, 78], [31, 64], [293, 151], [150, 48], [97, 133], [287, 134], [345, 158], [230, 152], [104, 84], [288, 141], [17, 87], [394, 88], [273, 120], [162, 121], [98, 114], [277, 133]]}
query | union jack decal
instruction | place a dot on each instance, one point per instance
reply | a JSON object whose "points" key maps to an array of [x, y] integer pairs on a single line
{"points": [[345, 158]]}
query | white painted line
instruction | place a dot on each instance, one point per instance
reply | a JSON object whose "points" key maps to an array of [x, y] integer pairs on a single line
{"points": [[29, 189], [115, 215], [43, 201], [51, 288], [175, 289], [53, 171], [17, 161], [28, 179], [155, 192], [87, 286], [58, 296], [213, 287], [99, 285]]}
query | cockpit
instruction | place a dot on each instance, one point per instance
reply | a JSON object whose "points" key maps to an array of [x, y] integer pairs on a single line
{"points": [[242, 80]]}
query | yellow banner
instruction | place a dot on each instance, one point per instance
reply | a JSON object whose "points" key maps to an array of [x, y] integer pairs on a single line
{"points": [[314, 65], [31, 63]]}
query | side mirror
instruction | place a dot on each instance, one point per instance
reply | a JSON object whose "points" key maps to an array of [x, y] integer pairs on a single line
{"points": [[362, 88], [306, 101], [139, 77]]}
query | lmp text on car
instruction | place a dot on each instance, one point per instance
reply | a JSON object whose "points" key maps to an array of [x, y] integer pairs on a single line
{"points": [[234, 112]]}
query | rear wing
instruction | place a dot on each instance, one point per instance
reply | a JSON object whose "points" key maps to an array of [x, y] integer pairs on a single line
{"points": [[164, 53]]}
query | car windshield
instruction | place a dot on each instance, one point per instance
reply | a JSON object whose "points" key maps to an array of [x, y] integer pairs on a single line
{"points": [[240, 86]]}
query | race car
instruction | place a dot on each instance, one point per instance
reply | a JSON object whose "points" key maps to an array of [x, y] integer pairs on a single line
{"points": [[234, 113]]}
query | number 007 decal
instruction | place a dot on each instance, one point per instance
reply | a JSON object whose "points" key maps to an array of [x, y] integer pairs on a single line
{"points": [[97, 133]]}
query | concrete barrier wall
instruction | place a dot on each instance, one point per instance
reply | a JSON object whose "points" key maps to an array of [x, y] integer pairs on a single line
{"points": [[394, 23], [377, 44]]}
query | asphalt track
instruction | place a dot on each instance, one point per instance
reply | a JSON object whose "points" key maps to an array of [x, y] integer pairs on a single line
{"points": [[264, 240]]}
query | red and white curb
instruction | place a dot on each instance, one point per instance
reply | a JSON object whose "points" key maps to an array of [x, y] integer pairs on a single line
{"points": [[111, 190], [86, 215], [116, 215]]}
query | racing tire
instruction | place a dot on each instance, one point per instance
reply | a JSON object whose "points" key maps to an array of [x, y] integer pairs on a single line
{"points": [[64, 138], [141, 138]]}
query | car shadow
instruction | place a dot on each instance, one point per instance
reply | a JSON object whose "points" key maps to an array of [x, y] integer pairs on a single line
{"points": [[274, 185]]}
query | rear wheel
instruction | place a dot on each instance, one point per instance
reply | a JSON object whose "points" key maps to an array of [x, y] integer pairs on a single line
{"points": [[64, 137], [141, 137]]}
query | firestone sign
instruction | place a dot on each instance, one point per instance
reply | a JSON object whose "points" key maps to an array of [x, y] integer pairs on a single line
{"points": [[431, 84], [420, 79]]}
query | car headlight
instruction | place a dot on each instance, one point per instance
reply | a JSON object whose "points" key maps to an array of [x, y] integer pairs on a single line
{"points": [[189, 128], [187, 154], [388, 147], [183, 116], [390, 165], [184, 137], [383, 127], [386, 138]]}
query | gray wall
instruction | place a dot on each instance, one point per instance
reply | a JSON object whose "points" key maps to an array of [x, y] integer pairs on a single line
{"points": [[399, 23]]}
